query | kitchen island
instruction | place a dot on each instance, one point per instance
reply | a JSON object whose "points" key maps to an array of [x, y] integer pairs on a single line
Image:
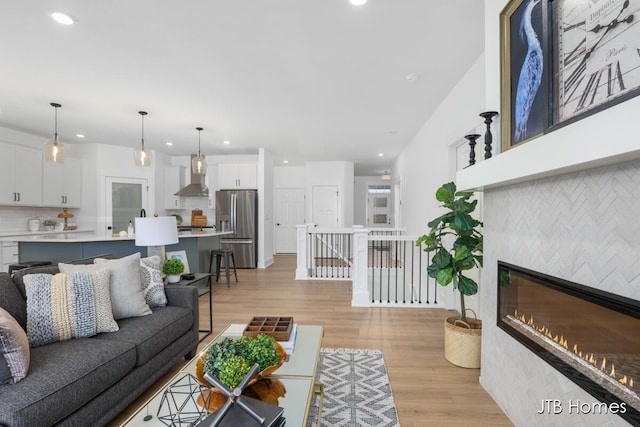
{"points": [[65, 247]]}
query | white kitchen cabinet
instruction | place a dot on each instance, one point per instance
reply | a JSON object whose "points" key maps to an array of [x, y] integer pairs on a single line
{"points": [[62, 183], [20, 176], [237, 175], [173, 182], [9, 254]]}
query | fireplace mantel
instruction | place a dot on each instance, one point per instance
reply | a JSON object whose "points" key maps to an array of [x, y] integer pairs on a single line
{"points": [[586, 144]]}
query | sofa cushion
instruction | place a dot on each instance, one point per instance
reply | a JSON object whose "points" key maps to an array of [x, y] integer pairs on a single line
{"points": [[63, 377], [14, 350], [64, 306], [151, 334], [152, 284], [12, 300]]}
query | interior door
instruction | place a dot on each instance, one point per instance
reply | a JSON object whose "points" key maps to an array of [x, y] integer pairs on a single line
{"points": [[379, 207], [289, 213], [125, 199], [324, 205]]}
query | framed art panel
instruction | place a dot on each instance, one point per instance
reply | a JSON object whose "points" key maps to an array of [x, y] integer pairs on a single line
{"points": [[182, 256], [597, 48], [525, 68]]}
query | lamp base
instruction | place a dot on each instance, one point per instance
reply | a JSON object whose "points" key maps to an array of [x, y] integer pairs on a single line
{"points": [[157, 250]]}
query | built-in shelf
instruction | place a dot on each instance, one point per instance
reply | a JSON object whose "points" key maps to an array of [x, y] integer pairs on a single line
{"points": [[598, 140]]}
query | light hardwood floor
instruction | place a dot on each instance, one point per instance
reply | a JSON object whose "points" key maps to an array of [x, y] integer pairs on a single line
{"points": [[428, 391]]}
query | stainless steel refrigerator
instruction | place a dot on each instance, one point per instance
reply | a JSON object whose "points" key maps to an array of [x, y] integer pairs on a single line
{"points": [[237, 211]]}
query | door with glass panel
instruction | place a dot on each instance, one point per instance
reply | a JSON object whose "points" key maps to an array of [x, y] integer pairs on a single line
{"points": [[125, 199]]}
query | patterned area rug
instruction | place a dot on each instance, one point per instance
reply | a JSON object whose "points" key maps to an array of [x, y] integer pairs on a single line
{"points": [[356, 390]]}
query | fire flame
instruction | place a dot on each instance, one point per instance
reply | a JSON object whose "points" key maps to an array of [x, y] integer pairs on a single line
{"points": [[606, 368]]}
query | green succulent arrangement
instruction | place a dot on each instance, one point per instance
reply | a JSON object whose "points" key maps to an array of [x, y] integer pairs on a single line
{"points": [[172, 266], [231, 359]]}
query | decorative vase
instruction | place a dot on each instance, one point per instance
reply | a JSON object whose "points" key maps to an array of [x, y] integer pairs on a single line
{"points": [[173, 278], [462, 341]]}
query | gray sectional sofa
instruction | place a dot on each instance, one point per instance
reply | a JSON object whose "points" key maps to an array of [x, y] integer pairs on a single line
{"points": [[89, 381]]}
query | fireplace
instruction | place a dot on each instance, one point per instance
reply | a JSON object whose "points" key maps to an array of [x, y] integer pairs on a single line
{"points": [[590, 336]]}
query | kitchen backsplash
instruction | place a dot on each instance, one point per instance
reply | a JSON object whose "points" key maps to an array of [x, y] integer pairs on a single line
{"points": [[15, 218]]}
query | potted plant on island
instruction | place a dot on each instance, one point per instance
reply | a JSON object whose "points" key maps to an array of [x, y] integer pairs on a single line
{"points": [[456, 241], [173, 268]]}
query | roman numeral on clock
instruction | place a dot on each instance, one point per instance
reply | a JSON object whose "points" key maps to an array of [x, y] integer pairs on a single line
{"points": [[612, 73]]}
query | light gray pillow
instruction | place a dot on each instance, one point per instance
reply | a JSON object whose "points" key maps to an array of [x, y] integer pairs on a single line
{"points": [[152, 284], [127, 299], [15, 354]]}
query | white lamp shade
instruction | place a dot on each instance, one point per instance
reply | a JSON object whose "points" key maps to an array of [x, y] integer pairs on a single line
{"points": [[54, 150], [142, 156], [156, 231]]}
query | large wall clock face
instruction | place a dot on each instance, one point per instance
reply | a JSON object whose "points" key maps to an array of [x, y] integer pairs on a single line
{"points": [[597, 45]]}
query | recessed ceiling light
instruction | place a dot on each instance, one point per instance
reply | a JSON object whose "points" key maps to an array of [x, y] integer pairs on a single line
{"points": [[411, 77], [79, 135], [169, 143], [357, 2], [227, 142], [285, 161], [380, 154], [63, 18]]}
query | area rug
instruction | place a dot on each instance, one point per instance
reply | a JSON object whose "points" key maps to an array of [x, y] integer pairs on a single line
{"points": [[356, 390]]}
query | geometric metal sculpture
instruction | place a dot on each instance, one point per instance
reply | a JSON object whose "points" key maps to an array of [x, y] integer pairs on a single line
{"points": [[179, 406]]}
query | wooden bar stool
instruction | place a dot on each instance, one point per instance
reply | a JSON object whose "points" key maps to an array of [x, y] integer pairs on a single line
{"points": [[219, 255]]}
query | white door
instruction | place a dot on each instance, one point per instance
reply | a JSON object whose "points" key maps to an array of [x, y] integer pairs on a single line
{"points": [[379, 207], [125, 199], [289, 214], [324, 205]]}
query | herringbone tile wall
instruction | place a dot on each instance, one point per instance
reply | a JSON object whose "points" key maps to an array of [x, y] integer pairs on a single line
{"points": [[583, 227]]}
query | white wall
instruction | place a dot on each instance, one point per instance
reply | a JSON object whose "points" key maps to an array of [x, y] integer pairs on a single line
{"points": [[266, 241], [423, 165], [289, 177]]}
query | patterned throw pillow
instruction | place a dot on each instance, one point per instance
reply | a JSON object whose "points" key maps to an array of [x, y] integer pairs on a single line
{"points": [[14, 350], [152, 284], [63, 306]]}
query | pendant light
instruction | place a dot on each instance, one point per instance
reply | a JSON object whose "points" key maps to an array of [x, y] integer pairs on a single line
{"points": [[386, 176], [141, 155], [54, 148], [198, 163]]}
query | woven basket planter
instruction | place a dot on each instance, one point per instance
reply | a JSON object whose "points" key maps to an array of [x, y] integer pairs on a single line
{"points": [[462, 341]]}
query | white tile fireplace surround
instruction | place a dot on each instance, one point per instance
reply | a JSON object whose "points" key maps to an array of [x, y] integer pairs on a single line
{"points": [[583, 227]]}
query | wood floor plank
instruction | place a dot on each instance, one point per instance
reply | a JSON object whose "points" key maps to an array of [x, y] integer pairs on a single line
{"points": [[428, 391]]}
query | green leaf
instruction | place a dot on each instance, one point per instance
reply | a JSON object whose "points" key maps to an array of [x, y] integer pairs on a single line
{"points": [[444, 276], [441, 260], [467, 286], [464, 221], [440, 220], [461, 253], [446, 192], [464, 206]]}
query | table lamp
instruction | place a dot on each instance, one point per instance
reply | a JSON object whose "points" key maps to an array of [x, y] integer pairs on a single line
{"points": [[155, 232]]}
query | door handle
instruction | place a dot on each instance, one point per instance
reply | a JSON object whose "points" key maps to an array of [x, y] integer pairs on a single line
{"points": [[278, 224]]}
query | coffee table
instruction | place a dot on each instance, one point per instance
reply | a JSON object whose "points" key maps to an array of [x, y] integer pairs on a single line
{"points": [[297, 373]]}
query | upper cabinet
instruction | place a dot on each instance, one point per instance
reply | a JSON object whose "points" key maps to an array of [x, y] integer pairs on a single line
{"points": [[20, 176], [237, 176], [62, 183], [173, 182]]}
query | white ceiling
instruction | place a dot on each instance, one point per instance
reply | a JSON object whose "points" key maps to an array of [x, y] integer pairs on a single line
{"points": [[305, 79]]}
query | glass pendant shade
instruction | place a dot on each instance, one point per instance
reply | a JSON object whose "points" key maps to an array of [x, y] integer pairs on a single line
{"points": [[141, 155], [199, 163], [54, 149]]}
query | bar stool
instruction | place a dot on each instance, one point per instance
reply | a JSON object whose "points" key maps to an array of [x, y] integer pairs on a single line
{"points": [[226, 254], [26, 264]]}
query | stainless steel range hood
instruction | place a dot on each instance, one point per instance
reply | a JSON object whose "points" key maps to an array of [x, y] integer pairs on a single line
{"points": [[196, 188]]}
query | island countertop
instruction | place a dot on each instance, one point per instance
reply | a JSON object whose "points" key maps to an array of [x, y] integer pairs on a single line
{"points": [[65, 247], [89, 236]]}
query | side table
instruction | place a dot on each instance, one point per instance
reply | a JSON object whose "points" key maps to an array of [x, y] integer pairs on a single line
{"points": [[202, 290]]}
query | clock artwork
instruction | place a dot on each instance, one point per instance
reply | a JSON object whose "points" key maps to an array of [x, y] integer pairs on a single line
{"points": [[597, 55]]}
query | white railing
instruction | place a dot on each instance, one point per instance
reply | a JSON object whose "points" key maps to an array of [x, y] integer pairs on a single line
{"points": [[386, 267]]}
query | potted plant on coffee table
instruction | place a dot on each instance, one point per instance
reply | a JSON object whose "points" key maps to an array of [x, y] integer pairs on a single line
{"points": [[455, 240], [173, 268]]}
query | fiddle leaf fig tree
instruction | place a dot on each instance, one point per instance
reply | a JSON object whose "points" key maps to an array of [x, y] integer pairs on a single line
{"points": [[456, 241]]}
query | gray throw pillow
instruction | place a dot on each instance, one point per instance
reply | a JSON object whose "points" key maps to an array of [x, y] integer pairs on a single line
{"points": [[15, 354]]}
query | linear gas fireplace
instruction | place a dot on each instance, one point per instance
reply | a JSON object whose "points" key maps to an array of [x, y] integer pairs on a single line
{"points": [[590, 336]]}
